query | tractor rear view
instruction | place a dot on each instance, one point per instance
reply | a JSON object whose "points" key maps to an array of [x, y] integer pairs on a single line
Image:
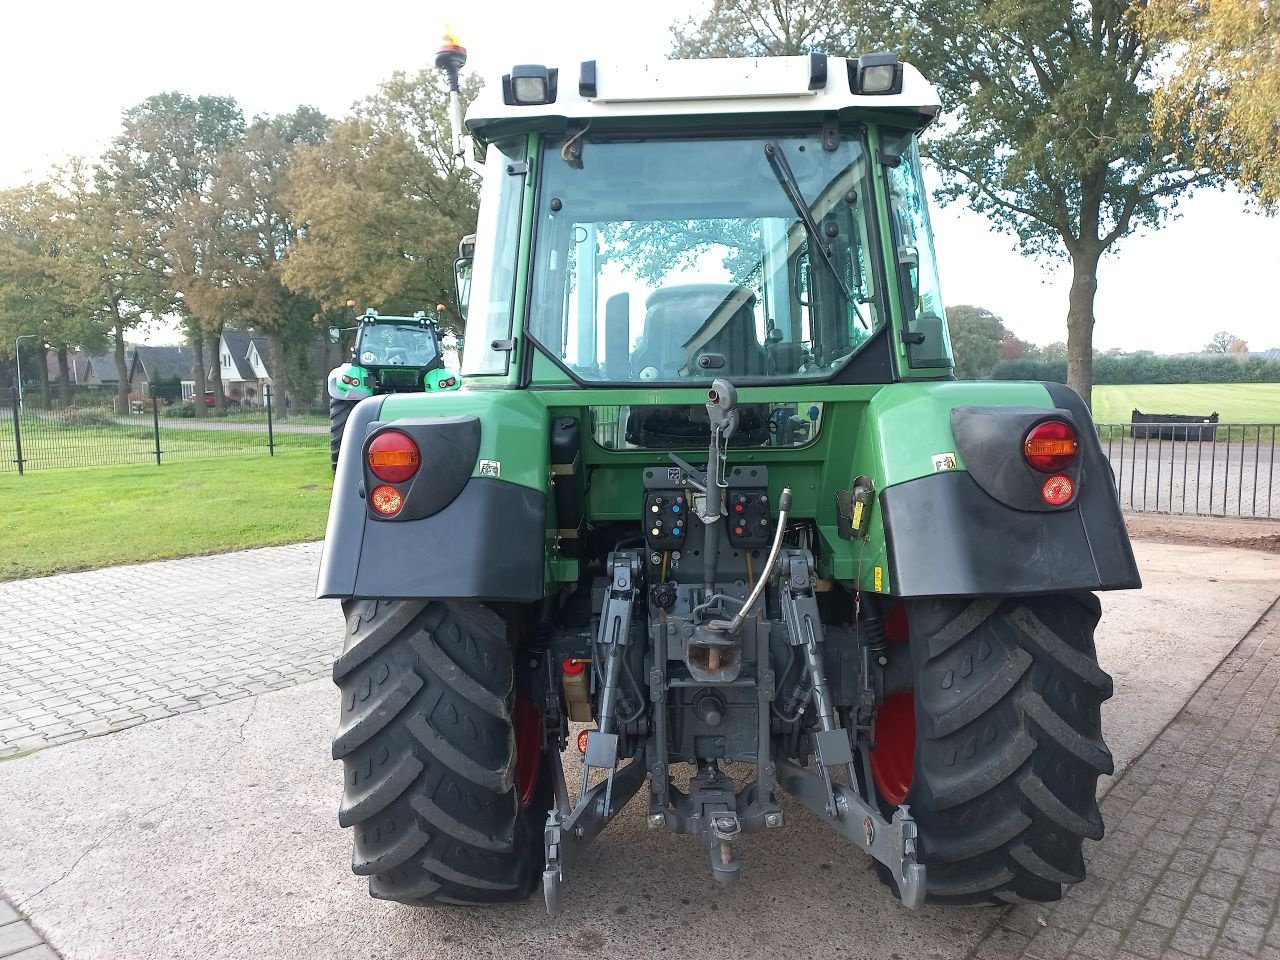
{"points": [[710, 509]]}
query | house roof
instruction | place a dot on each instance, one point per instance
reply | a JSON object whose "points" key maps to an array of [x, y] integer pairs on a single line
{"points": [[104, 367], [162, 363]]}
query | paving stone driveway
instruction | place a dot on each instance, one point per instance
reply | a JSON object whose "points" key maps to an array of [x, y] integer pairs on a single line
{"points": [[89, 653], [1190, 866]]}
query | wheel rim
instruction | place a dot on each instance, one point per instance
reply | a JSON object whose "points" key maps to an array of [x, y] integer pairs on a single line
{"points": [[893, 758], [527, 721]]}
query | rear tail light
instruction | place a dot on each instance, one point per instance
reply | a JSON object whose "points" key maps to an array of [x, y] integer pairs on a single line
{"points": [[1057, 490], [386, 500], [393, 456], [1051, 446]]}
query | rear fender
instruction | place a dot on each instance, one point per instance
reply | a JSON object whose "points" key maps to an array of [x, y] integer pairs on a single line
{"points": [[340, 389], [466, 530], [959, 508]]}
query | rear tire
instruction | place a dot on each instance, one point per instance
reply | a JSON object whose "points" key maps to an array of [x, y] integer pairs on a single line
{"points": [[339, 413], [1008, 744], [429, 755]]}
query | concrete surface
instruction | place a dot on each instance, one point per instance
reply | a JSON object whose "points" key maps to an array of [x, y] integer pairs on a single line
{"points": [[214, 834], [89, 653]]}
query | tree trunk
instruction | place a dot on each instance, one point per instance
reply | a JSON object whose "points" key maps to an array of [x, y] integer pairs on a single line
{"points": [[1084, 287], [197, 346], [279, 378], [219, 406], [46, 392], [122, 387], [64, 376]]}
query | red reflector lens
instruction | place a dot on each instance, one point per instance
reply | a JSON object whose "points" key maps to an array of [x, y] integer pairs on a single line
{"points": [[573, 668], [1051, 446], [393, 456], [1057, 490], [582, 741], [386, 500]]}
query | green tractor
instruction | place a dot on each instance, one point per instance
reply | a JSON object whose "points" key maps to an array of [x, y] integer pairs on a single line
{"points": [[711, 529], [391, 355]]}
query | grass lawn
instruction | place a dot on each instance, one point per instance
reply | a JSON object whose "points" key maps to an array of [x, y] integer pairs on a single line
{"points": [[53, 521], [1234, 402]]}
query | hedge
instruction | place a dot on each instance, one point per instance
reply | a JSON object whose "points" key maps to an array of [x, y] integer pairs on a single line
{"points": [[1149, 368]]}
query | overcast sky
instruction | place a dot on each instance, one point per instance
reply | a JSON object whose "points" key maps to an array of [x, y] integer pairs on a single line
{"points": [[70, 68]]}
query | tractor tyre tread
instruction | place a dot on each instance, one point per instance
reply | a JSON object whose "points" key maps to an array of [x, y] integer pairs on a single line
{"points": [[339, 413], [428, 752], [1008, 746]]}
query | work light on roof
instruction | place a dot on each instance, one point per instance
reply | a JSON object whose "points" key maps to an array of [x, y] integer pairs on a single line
{"points": [[873, 74], [529, 84]]}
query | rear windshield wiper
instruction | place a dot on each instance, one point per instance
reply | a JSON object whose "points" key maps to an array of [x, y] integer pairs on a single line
{"points": [[782, 170]]}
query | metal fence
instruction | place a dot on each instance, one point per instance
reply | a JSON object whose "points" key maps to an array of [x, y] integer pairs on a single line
{"points": [[94, 434], [1212, 470]]}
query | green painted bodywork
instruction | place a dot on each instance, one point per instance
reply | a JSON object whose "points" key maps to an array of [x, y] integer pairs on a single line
{"points": [[888, 432]]}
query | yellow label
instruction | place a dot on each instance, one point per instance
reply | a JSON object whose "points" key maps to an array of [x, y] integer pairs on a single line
{"points": [[856, 522], [879, 579]]}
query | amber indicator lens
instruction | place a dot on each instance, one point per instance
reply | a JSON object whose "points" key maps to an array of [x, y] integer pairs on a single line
{"points": [[393, 456], [1051, 446]]}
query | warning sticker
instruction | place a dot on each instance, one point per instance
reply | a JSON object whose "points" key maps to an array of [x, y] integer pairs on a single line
{"points": [[945, 461], [490, 468], [878, 577]]}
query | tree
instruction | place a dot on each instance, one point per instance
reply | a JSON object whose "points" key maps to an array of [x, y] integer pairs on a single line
{"points": [[1055, 352], [1238, 347], [977, 335], [1226, 86], [256, 233], [161, 166], [1051, 135], [1220, 343], [759, 28], [381, 204], [1049, 131], [41, 289]]}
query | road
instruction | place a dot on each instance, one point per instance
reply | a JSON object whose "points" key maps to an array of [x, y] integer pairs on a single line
{"points": [[213, 833]]}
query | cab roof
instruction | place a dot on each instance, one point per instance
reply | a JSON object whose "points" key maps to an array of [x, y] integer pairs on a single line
{"points": [[598, 90]]}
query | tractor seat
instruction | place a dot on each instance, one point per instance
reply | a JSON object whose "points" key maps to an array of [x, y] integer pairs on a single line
{"points": [[686, 321]]}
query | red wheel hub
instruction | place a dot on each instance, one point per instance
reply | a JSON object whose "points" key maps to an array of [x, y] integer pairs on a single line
{"points": [[527, 720], [893, 758]]}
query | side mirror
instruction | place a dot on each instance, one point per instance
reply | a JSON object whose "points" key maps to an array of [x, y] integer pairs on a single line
{"points": [[462, 280], [335, 334]]}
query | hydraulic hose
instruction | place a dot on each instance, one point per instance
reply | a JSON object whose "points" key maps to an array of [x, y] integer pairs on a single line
{"points": [[766, 574]]}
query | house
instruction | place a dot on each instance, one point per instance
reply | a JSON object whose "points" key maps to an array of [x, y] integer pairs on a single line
{"points": [[244, 362], [162, 366], [77, 366], [102, 370]]}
